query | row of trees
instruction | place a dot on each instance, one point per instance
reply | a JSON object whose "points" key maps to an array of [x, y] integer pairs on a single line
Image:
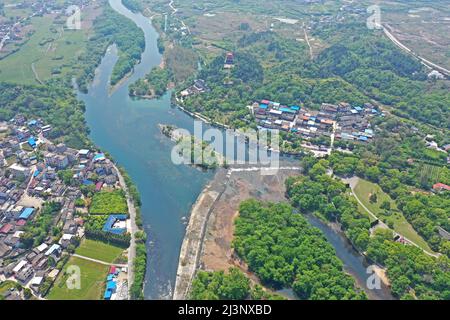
{"points": [[119, 240], [139, 269]]}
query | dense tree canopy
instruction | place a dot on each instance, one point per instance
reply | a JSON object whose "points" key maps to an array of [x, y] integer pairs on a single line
{"points": [[284, 250], [413, 273]]}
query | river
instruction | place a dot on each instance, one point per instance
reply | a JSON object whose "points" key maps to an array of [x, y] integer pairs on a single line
{"points": [[128, 130], [354, 263]]}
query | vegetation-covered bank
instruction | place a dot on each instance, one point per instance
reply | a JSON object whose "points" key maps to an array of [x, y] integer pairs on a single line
{"points": [[285, 251], [233, 285], [179, 64], [112, 28], [413, 274], [154, 85], [140, 260]]}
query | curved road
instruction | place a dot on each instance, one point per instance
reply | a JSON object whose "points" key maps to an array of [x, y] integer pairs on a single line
{"points": [[426, 62], [353, 182], [99, 261]]}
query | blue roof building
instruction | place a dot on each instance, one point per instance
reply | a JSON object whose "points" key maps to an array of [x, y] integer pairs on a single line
{"points": [[111, 286], [112, 219], [88, 182], [32, 142], [107, 295], [99, 157], [26, 213], [363, 138], [287, 110]]}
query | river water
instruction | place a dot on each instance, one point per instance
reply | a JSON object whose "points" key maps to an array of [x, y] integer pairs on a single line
{"points": [[128, 130]]}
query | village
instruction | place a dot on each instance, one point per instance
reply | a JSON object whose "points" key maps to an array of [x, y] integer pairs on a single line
{"points": [[39, 179], [14, 32]]}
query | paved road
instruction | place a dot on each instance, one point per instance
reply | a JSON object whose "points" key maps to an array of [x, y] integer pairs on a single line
{"points": [[99, 261], [426, 62], [353, 182], [134, 229]]}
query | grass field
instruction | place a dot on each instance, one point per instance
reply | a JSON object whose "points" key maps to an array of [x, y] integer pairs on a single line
{"points": [[99, 250], [396, 219], [106, 202], [93, 278], [5, 286]]}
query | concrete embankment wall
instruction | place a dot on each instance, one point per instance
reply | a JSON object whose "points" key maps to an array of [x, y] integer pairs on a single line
{"points": [[195, 233]]}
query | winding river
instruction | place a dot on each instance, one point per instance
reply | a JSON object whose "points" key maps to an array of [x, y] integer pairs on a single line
{"points": [[128, 130]]}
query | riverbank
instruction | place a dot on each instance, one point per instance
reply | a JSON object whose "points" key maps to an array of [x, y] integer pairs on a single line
{"points": [[133, 228], [194, 238], [207, 243]]}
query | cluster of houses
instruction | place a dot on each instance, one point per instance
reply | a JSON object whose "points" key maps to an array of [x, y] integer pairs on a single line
{"points": [[354, 122], [198, 87], [16, 30], [30, 167], [342, 120], [116, 288]]}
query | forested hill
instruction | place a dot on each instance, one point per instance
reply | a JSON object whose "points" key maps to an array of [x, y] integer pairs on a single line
{"points": [[356, 66], [379, 69]]}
